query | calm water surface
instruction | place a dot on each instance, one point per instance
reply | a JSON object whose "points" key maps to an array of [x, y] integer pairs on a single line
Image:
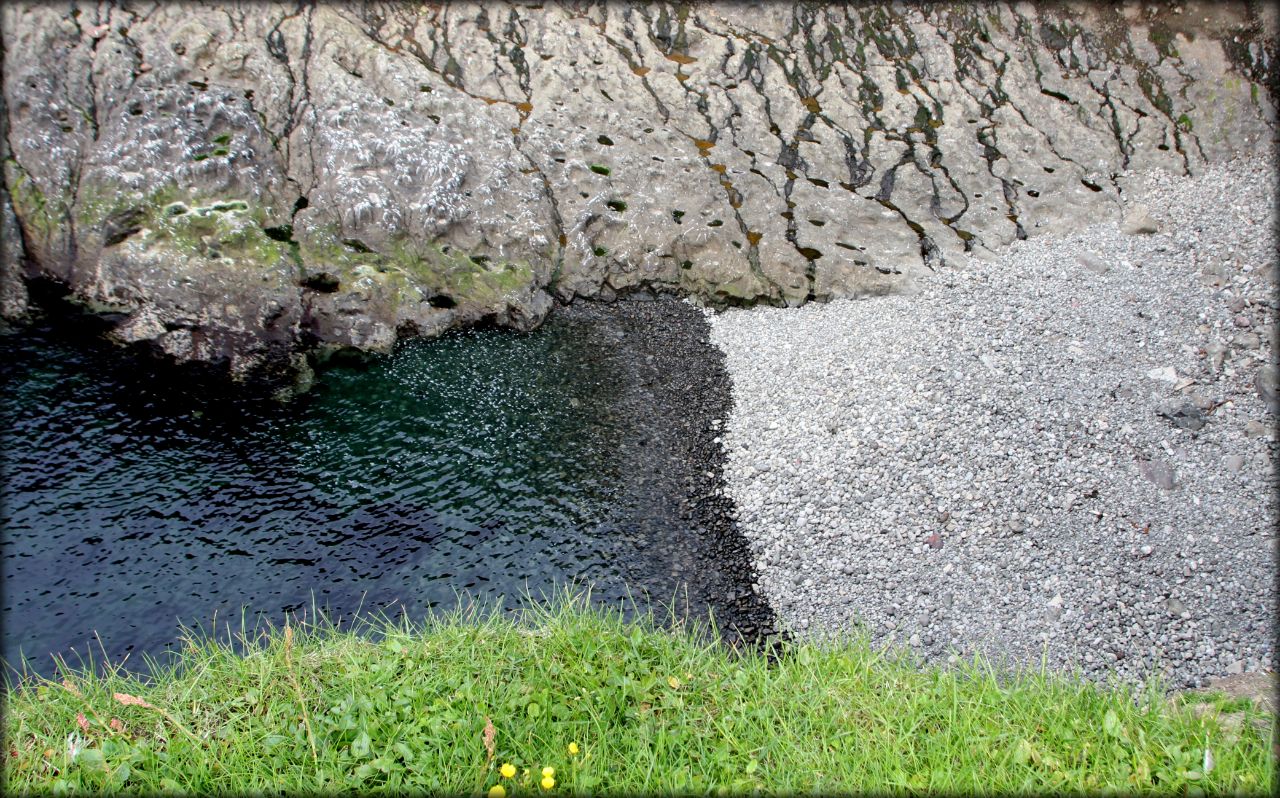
{"points": [[483, 463]]}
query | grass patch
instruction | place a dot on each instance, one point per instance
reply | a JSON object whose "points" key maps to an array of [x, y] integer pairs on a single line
{"points": [[612, 705]]}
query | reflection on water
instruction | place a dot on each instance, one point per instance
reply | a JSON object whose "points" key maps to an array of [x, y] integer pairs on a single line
{"points": [[480, 463]]}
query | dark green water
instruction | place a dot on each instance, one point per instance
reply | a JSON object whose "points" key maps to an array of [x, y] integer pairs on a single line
{"points": [[481, 464]]}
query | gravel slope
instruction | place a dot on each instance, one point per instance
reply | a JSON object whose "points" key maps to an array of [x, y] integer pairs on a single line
{"points": [[1062, 450]]}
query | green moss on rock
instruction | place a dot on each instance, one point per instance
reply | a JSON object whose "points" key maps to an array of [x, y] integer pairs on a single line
{"points": [[416, 271], [29, 202], [204, 227]]}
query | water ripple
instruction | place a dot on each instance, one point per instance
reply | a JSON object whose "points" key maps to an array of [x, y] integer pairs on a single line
{"points": [[485, 463]]}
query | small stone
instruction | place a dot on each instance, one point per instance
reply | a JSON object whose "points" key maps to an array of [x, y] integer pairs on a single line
{"points": [[934, 541], [1265, 382], [1092, 263], [1184, 416], [1054, 610], [1203, 400], [1234, 463], [1213, 275], [1138, 221], [1216, 352], [1235, 668], [1157, 471], [1175, 607], [1254, 428], [915, 641], [1242, 321], [1016, 526], [1248, 340], [1167, 374], [1146, 551]]}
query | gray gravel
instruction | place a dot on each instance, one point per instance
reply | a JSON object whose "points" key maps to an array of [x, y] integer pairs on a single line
{"points": [[1065, 449]]}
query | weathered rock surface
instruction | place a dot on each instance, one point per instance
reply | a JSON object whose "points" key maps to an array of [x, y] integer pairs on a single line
{"points": [[247, 182]]}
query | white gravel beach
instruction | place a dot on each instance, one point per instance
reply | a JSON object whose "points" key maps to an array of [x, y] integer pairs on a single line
{"points": [[1064, 450]]}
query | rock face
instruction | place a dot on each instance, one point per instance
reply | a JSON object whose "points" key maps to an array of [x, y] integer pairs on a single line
{"points": [[247, 183]]}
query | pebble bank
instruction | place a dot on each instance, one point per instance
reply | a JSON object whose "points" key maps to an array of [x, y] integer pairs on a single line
{"points": [[1062, 450]]}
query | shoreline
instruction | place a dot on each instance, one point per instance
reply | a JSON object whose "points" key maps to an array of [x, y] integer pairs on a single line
{"points": [[681, 394], [667, 391]]}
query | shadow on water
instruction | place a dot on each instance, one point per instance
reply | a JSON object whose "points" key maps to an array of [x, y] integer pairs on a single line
{"points": [[485, 464]]}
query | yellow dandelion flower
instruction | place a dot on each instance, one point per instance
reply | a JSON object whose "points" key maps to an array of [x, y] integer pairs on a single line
{"points": [[508, 771], [497, 791], [547, 782], [573, 749], [548, 772], [674, 682]]}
